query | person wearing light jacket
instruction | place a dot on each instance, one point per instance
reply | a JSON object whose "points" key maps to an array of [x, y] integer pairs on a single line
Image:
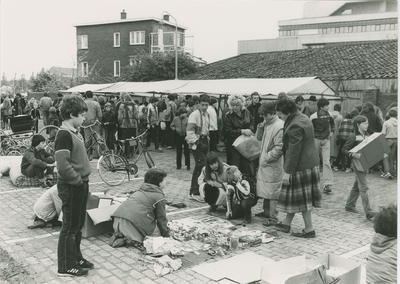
{"points": [[390, 131], [382, 259]]}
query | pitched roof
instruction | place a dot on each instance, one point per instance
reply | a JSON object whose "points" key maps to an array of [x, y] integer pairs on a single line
{"points": [[368, 60], [66, 72]]}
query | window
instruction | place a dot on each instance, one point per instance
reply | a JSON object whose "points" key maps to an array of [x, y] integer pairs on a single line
{"points": [[116, 68], [363, 28], [378, 27], [85, 69], [137, 37], [134, 61], [116, 39], [323, 31], [83, 42], [337, 30], [350, 29], [391, 27]]}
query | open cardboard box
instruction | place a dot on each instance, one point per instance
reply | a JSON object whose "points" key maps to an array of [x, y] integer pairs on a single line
{"points": [[371, 150], [98, 214], [298, 270]]}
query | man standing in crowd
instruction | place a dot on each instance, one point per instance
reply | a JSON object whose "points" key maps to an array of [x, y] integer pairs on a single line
{"points": [[169, 116], [44, 105], [312, 107], [93, 113], [253, 108], [213, 124], [153, 124], [324, 127], [197, 133]]}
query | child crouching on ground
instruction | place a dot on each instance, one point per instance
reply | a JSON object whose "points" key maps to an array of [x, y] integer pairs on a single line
{"points": [[36, 162], [240, 195]]}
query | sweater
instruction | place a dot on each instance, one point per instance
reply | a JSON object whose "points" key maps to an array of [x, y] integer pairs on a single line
{"points": [[390, 128], [72, 160], [323, 124], [179, 125], [37, 158]]}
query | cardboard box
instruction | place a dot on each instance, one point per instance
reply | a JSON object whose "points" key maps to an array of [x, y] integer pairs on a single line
{"points": [[98, 220], [324, 269], [371, 150]]}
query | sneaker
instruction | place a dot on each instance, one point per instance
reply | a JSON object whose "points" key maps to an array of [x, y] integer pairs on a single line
{"points": [[76, 271], [196, 198], [327, 189], [178, 168], [160, 150], [85, 264], [348, 170], [44, 185], [351, 209], [188, 168], [335, 169], [389, 176], [370, 215], [170, 147], [383, 175]]}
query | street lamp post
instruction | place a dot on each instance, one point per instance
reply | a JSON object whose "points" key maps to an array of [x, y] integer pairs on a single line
{"points": [[176, 42]]}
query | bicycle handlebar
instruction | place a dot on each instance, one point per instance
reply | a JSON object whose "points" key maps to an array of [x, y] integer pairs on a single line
{"points": [[93, 124], [134, 138]]}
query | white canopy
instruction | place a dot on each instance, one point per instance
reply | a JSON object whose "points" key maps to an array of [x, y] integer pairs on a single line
{"points": [[267, 88], [87, 87]]}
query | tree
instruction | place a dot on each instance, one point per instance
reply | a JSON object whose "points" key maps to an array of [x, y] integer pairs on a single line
{"points": [[158, 66], [4, 81], [46, 82]]}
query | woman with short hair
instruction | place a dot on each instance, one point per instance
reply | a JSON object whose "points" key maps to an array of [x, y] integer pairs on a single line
{"points": [[300, 183], [238, 121], [128, 122]]}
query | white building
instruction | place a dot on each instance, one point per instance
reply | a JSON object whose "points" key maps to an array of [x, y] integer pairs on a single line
{"points": [[327, 22]]}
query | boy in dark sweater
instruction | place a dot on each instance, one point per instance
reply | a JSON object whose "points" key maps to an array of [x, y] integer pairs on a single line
{"points": [[73, 186]]}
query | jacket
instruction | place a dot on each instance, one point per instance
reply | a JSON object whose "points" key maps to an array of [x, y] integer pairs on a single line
{"points": [[235, 123], [127, 116], [221, 178], [270, 171], [48, 205], [109, 117], [179, 125], [253, 109], [45, 103], [311, 109], [390, 128], [93, 112], [352, 142], [323, 124], [145, 209], [374, 123], [7, 107], [37, 158], [299, 148], [152, 115], [170, 112], [382, 260]]}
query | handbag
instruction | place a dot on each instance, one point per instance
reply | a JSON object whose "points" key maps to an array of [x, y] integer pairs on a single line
{"points": [[249, 148]]}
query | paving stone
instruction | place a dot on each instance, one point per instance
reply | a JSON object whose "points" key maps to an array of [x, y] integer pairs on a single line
{"points": [[136, 275]]}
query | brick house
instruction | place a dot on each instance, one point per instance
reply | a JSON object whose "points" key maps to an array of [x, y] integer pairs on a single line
{"points": [[360, 71], [108, 46]]}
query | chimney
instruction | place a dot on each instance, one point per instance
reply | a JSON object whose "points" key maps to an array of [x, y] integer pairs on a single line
{"points": [[166, 18], [123, 15]]}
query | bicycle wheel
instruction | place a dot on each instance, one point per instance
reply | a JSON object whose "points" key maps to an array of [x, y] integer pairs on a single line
{"points": [[149, 161], [112, 169]]}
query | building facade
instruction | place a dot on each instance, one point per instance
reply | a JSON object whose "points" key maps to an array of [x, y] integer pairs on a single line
{"points": [[107, 47], [325, 23]]}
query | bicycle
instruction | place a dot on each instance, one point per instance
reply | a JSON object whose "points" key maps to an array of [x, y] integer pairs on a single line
{"points": [[14, 144], [114, 167], [49, 132], [95, 140]]}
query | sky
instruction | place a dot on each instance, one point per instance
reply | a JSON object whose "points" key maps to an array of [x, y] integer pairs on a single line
{"points": [[41, 34]]}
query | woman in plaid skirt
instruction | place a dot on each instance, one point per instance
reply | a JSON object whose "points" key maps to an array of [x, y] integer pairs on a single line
{"points": [[300, 183]]}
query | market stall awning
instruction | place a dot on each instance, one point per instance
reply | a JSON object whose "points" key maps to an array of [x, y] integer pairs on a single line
{"points": [[267, 88], [87, 87]]}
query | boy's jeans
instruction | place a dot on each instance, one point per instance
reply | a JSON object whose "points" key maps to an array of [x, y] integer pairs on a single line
{"points": [[360, 188], [324, 146], [388, 163], [74, 211]]}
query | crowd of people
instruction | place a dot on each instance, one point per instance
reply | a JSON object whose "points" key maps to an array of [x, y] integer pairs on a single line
{"points": [[297, 144]]}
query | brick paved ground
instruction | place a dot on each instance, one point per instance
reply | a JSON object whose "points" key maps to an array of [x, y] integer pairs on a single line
{"points": [[338, 231]]}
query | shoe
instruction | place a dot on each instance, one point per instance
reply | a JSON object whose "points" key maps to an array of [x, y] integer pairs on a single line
{"points": [[196, 198], [49, 183], [160, 150], [44, 185], [370, 215], [85, 264], [39, 223], [261, 214], [351, 209], [348, 170], [212, 208], [270, 223], [170, 147], [304, 234], [178, 168], [388, 176], [76, 271], [335, 169], [188, 168], [282, 227], [327, 189], [248, 221]]}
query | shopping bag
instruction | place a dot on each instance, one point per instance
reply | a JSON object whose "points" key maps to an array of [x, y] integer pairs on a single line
{"points": [[248, 147]]}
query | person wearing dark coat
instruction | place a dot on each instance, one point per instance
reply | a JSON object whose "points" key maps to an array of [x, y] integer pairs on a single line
{"points": [[143, 213], [374, 123], [253, 108]]}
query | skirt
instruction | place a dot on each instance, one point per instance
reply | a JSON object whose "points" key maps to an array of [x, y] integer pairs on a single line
{"points": [[302, 193]]}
